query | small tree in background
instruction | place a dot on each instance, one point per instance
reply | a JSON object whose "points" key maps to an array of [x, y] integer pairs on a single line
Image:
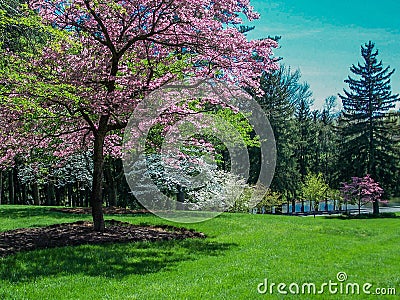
{"points": [[269, 200], [314, 189], [361, 191]]}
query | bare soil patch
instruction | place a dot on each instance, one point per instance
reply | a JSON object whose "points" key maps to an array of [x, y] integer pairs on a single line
{"points": [[111, 210], [81, 232]]}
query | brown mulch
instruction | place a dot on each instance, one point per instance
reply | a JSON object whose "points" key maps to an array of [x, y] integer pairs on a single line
{"points": [[81, 232], [111, 210]]}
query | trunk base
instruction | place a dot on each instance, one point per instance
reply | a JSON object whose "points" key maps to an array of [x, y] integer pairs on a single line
{"points": [[98, 220]]}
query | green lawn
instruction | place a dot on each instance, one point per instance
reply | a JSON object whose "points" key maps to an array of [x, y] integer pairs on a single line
{"points": [[240, 251]]}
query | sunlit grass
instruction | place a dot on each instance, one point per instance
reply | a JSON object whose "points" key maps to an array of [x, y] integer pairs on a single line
{"points": [[240, 251]]}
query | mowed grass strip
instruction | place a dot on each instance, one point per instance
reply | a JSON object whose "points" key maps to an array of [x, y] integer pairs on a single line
{"points": [[241, 250]]}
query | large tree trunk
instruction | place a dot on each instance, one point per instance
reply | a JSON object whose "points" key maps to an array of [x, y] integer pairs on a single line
{"points": [[97, 185]]}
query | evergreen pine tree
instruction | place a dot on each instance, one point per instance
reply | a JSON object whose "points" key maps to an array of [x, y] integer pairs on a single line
{"points": [[17, 32], [328, 141], [305, 123], [367, 145], [281, 88]]}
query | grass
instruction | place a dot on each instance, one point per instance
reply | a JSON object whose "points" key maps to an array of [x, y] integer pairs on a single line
{"points": [[240, 252]]}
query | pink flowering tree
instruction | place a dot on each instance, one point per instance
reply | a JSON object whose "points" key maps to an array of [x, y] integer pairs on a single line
{"points": [[361, 191], [79, 91]]}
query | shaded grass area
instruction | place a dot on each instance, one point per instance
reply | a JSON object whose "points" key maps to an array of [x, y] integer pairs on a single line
{"points": [[109, 261], [240, 251]]}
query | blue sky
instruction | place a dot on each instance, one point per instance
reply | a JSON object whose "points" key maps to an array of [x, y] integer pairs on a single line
{"points": [[323, 38]]}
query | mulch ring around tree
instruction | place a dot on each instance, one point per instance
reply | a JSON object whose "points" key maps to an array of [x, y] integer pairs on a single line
{"points": [[111, 210], [81, 232]]}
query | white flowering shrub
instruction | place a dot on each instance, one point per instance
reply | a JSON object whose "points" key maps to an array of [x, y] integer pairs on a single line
{"points": [[222, 192], [205, 186], [74, 168]]}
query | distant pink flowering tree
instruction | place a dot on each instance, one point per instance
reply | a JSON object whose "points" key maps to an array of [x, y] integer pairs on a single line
{"points": [[361, 191], [80, 90]]}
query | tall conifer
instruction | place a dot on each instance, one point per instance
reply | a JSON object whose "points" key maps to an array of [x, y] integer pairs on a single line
{"points": [[367, 143]]}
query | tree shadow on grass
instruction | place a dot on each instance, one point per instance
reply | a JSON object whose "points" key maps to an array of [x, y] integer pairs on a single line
{"points": [[110, 260]]}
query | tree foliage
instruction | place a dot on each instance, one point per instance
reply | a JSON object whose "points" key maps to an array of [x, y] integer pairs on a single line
{"points": [[20, 30], [80, 90], [281, 91], [314, 189], [361, 191], [368, 145]]}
